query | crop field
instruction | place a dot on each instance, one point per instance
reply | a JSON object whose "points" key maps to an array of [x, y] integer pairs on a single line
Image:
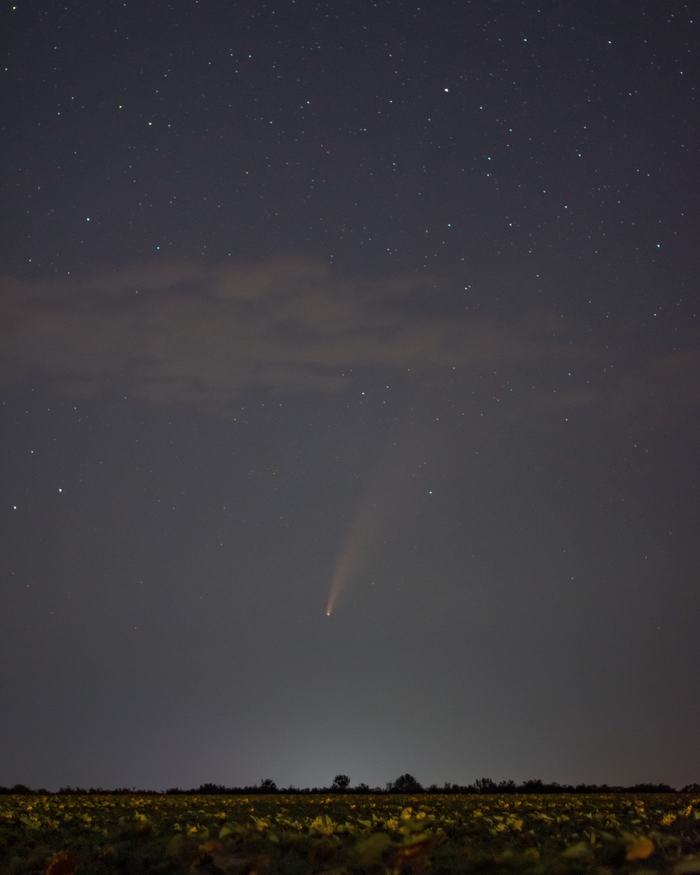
{"points": [[334, 834]]}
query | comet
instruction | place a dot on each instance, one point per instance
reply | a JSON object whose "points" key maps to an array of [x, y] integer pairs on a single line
{"points": [[357, 544], [378, 508]]}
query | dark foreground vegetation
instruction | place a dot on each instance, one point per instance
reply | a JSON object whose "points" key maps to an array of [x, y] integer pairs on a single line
{"points": [[403, 784], [350, 834]]}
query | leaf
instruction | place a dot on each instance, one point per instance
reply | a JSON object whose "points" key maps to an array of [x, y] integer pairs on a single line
{"points": [[414, 848], [323, 824], [63, 863], [640, 849], [227, 862], [261, 823], [142, 825], [579, 851], [175, 846], [690, 866], [231, 828], [370, 850], [211, 847]]}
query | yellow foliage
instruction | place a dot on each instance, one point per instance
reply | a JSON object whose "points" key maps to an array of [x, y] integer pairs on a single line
{"points": [[261, 823], [323, 824], [365, 831]]}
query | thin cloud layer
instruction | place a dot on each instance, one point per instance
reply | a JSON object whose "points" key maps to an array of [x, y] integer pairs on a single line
{"points": [[185, 332], [182, 332]]}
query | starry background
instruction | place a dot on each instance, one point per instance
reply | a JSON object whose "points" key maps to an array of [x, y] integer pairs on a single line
{"points": [[406, 291]]}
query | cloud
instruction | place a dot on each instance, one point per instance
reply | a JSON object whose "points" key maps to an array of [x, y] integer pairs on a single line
{"points": [[186, 332]]}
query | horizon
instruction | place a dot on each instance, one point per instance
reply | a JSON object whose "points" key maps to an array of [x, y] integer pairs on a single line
{"points": [[483, 786], [364, 790]]}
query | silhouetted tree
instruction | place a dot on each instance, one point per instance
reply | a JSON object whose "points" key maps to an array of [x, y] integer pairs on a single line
{"points": [[405, 784], [268, 786], [340, 783], [485, 785], [210, 789]]}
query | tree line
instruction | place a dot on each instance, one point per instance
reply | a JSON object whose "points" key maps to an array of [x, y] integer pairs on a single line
{"points": [[404, 784]]}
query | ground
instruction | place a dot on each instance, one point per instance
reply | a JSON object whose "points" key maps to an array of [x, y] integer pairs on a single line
{"points": [[351, 834]]}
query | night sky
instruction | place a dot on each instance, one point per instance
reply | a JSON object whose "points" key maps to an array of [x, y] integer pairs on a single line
{"points": [[376, 309]]}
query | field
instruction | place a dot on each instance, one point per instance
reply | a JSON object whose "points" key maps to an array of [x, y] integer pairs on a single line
{"points": [[65, 834]]}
